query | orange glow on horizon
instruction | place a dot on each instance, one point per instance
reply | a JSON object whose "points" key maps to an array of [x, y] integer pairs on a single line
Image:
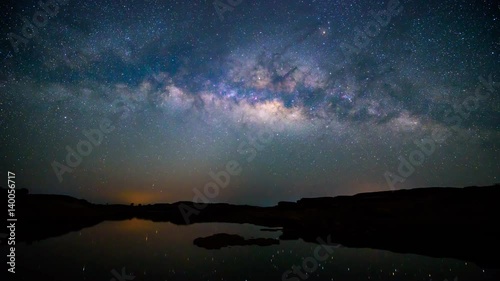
{"points": [[142, 197]]}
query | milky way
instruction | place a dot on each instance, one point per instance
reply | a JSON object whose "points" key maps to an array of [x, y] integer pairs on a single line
{"points": [[348, 90]]}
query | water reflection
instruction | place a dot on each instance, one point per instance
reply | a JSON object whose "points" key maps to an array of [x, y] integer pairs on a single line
{"points": [[164, 251]]}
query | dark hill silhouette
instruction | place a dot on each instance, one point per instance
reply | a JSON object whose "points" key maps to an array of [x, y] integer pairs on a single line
{"points": [[440, 222], [222, 240]]}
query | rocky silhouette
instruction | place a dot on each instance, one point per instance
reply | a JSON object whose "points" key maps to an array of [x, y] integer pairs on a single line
{"points": [[222, 240], [439, 222]]}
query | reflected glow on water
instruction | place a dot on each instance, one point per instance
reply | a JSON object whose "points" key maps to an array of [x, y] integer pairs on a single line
{"points": [[164, 251]]}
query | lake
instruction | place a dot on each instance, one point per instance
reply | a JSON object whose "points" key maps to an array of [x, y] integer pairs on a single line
{"points": [[157, 251]]}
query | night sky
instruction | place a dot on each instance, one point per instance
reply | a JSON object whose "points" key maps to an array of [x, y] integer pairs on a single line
{"points": [[301, 98]]}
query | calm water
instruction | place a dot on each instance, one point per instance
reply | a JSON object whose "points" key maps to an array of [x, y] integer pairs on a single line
{"points": [[157, 251]]}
